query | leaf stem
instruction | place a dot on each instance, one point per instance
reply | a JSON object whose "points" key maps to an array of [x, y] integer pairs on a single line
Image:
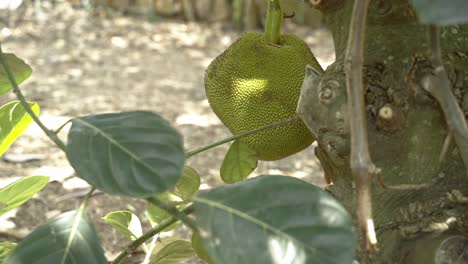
{"points": [[148, 235], [56, 131], [76, 223], [173, 211], [273, 22], [244, 134], [26, 106]]}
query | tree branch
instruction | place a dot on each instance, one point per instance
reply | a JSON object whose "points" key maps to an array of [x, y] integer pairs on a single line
{"points": [[362, 166], [438, 85], [26, 106]]}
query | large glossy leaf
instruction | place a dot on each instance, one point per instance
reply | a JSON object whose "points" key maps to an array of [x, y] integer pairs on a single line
{"points": [[5, 250], [188, 184], [171, 251], [20, 70], [49, 243], [136, 153], [13, 121], [126, 223], [274, 219], [239, 162], [442, 12], [19, 192]]}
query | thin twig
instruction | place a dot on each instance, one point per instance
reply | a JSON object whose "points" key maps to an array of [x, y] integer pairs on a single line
{"points": [[148, 235], [26, 106], [445, 147], [438, 85], [362, 166], [244, 134], [401, 187]]}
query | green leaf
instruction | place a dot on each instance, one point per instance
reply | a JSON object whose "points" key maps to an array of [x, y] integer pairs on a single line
{"points": [[20, 70], [239, 162], [188, 184], [126, 223], [48, 243], [186, 187], [19, 192], [13, 121], [5, 250], [197, 245], [171, 251], [274, 219], [137, 153], [442, 12], [156, 216]]}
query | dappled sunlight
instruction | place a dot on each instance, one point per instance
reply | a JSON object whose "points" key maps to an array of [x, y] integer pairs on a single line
{"points": [[196, 120], [198, 114], [284, 251], [176, 84], [55, 173], [10, 4], [75, 183]]}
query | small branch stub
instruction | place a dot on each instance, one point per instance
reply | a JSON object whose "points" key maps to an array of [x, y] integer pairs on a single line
{"points": [[389, 118]]}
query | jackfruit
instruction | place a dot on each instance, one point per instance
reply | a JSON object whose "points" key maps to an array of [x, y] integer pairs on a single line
{"points": [[253, 84]]}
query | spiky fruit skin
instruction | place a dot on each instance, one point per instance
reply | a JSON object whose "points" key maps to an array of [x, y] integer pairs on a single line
{"points": [[253, 84]]}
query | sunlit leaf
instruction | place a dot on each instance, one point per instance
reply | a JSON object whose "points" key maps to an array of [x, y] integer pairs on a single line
{"points": [[49, 243], [274, 219], [442, 12], [171, 251], [126, 223], [137, 153], [197, 245], [188, 184], [20, 70], [13, 121], [239, 162], [5, 250], [19, 192]]}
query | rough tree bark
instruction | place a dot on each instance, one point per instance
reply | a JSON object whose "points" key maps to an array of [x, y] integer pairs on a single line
{"points": [[406, 129]]}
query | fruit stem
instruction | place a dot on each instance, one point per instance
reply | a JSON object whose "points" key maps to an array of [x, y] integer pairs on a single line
{"points": [[273, 22], [244, 134]]}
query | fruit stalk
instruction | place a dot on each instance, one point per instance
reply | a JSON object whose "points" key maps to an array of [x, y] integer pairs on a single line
{"points": [[273, 22], [244, 134]]}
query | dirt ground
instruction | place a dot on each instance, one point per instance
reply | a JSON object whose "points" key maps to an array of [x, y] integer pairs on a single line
{"points": [[85, 65]]}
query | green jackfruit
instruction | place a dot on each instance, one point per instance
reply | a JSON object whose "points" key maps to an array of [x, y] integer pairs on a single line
{"points": [[253, 84]]}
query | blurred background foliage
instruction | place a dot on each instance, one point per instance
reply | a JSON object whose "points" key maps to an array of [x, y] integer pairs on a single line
{"points": [[243, 14]]}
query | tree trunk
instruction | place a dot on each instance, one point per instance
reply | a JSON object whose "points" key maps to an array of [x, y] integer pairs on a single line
{"points": [[188, 6], [413, 226]]}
